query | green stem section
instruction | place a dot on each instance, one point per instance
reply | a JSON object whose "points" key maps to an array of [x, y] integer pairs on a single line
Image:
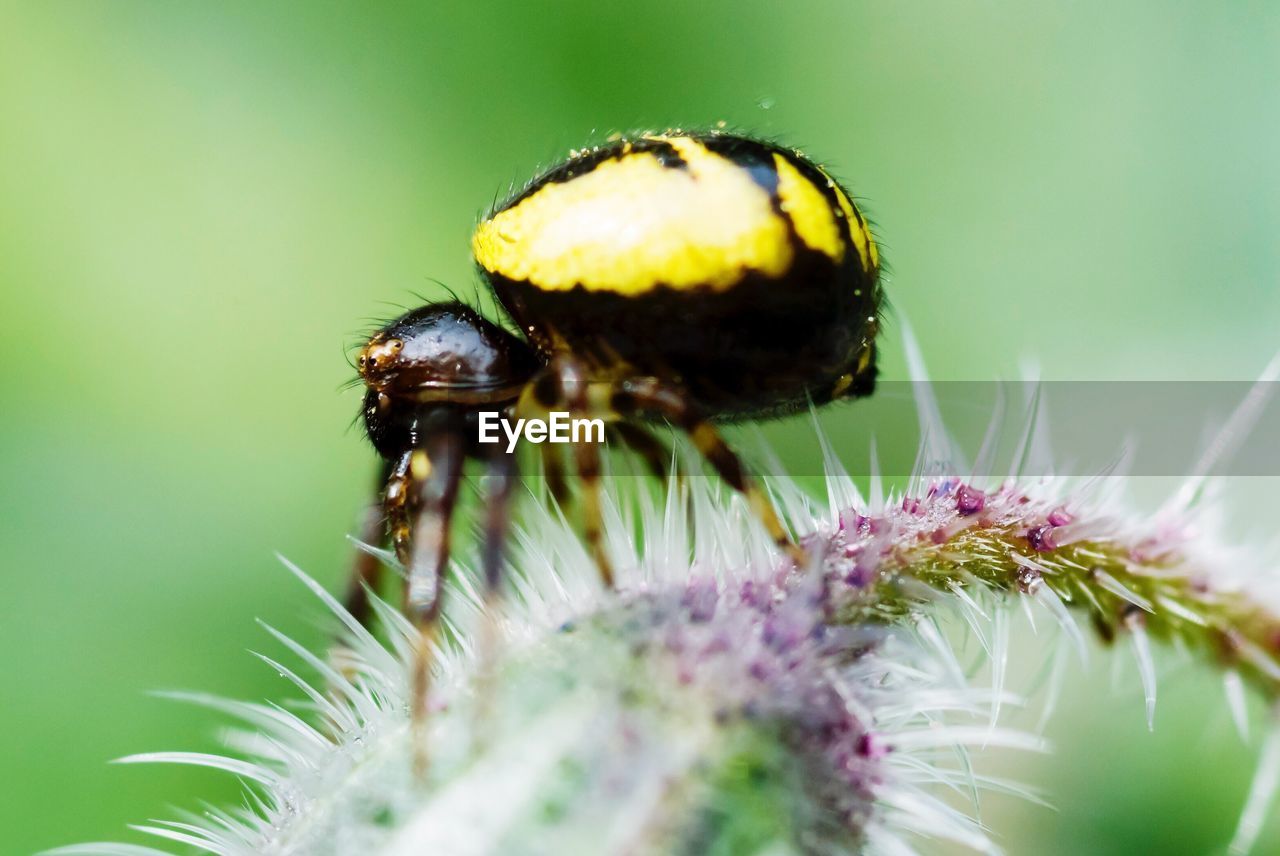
{"points": [[1121, 586]]}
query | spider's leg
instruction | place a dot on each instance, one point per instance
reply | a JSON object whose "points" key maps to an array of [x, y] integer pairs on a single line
{"points": [[553, 469], [503, 475], [396, 508], [366, 569], [587, 459], [573, 386], [538, 397], [650, 395], [432, 477], [652, 451], [563, 386]]}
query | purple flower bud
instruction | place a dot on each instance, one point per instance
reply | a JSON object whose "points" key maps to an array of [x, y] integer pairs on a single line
{"points": [[1041, 538], [871, 746], [700, 598], [970, 500]]}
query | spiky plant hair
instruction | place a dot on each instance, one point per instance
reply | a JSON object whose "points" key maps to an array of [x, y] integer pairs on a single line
{"points": [[725, 701]]}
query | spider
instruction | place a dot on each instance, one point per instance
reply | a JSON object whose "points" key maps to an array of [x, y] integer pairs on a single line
{"points": [[694, 278]]}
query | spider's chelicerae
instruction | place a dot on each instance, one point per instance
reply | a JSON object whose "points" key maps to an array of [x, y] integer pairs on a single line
{"points": [[685, 277]]}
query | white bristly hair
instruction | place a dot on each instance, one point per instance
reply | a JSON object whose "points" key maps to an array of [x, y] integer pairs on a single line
{"points": [[722, 695]]}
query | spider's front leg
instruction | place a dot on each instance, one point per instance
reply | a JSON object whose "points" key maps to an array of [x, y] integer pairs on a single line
{"points": [[366, 568], [420, 500]]}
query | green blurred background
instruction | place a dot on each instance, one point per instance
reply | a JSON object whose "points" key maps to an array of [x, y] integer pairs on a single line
{"points": [[200, 203]]}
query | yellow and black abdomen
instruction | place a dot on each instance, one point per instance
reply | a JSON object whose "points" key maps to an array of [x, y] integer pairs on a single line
{"points": [[732, 266]]}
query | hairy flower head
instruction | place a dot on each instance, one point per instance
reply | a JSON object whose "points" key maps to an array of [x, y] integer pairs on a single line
{"points": [[725, 700]]}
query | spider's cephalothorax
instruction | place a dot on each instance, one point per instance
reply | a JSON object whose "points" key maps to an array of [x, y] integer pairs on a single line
{"points": [[684, 277], [438, 364]]}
